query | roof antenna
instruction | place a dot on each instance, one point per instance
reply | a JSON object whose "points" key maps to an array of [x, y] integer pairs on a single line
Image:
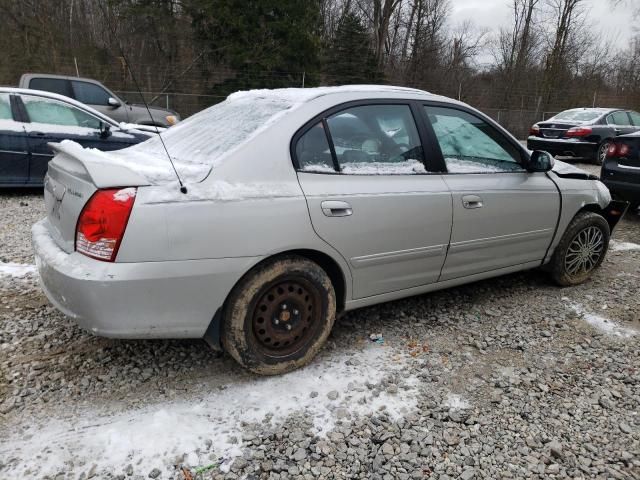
{"points": [[183, 188]]}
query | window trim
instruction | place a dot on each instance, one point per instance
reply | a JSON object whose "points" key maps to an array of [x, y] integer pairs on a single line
{"points": [[475, 113], [427, 148]]}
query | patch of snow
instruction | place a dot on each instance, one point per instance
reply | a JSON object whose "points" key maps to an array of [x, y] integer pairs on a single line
{"points": [[456, 402], [221, 191], [459, 165], [155, 435], [124, 194], [383, 168], [318, 168], [601, 323], [623, 246], [9, 269]]}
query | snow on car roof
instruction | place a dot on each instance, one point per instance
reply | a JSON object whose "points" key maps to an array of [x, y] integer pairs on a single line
{"points": [[302, 95]]}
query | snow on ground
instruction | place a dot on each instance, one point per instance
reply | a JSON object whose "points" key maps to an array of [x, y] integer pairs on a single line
{"points": [[623, 246], [325, 391], [456, 402], [16, 269], [599, 322]]}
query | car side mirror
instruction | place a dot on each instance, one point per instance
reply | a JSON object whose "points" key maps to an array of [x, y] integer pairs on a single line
{"points": [[540, 161], [105, 130], [113, 102]]}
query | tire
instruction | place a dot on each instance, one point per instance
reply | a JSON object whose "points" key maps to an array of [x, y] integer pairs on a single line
{"points": [[601, 153], [581, 250], [278, 317]]}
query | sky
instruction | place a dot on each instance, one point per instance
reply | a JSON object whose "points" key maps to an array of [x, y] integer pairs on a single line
{"points": [[613, 23]]}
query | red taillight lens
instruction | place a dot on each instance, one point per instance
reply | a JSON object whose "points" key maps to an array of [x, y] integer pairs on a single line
{"points": [[579, 132], [618, 150], [534, 130], [102, 223]]}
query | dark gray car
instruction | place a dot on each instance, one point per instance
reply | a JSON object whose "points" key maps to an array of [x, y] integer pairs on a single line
{"points": [[97, 96]]}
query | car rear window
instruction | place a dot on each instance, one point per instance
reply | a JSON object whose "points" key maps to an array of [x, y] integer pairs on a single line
{"points": [[578, 115], [54, 85], [203, 139]]}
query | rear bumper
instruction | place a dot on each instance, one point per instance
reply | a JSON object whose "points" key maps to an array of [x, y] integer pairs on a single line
{"points": [[562, 147], [626, 190], [176, 299]]}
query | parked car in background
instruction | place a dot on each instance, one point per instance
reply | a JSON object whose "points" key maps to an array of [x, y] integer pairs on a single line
{"points": [[582, 132], [30, 120], [96, 95], [301, 204], [621, 169]]}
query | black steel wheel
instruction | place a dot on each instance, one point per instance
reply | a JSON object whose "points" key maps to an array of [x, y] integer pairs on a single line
{"points": [[279, 315]]}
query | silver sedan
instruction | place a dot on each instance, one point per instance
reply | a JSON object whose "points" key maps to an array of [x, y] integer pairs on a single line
{"points": [[300, 204]]}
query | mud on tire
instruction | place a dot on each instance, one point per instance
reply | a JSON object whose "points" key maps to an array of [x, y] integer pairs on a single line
{"points": [[278, 317], [581, 250]]}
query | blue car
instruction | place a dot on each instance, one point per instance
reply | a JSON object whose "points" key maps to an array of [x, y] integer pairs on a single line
{"points": [[31, 119]]}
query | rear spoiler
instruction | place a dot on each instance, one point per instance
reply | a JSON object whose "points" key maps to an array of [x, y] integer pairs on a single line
{"points": [[94, 166]]}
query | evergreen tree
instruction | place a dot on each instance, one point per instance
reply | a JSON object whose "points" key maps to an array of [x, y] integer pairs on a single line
{"points": [[350, 57]]}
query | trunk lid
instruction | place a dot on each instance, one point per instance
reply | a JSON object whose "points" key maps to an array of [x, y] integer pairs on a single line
{"points": [[551, 129], [73, 177]]}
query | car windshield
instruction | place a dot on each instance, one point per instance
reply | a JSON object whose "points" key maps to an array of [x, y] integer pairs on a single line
{"points": [[577, 115]]}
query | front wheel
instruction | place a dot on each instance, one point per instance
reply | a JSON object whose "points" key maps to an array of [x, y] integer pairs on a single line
{"points": [[581, 250], [279, 315]]}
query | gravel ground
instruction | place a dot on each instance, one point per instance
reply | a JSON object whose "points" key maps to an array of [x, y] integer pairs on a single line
{"points": [[505, 378]]}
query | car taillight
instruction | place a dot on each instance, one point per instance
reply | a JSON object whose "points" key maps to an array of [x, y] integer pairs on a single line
{"points": [[579, 132], [617, 150], [102, 223], [534, 130]]}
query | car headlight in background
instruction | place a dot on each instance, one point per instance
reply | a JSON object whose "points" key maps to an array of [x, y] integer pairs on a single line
{"points": [[171, 119]]}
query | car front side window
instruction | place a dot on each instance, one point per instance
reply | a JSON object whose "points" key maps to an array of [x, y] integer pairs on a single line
{"points": [[53, 112], [471, 145], [635, 118], [5, 107], [90, 93]]}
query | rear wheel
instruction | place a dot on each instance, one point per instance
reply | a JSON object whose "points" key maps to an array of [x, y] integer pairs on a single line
{"points": [[601, 154], [279, 315], [581, 249]]}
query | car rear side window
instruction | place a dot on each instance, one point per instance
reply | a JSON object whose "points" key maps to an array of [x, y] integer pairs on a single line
{"points": [[53, 85], [53, 112], [313, 151], [366, 140], [618, 118], [89, 93], [471, 145], [5, 107]]}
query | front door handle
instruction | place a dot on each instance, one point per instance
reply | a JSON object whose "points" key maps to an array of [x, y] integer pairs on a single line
{"points": [[336, 208], [472, 201], [37, 134]]}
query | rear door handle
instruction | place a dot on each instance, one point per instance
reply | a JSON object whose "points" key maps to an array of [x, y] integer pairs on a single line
{"points": [[36, 134], [336, 208], [472, 201]]}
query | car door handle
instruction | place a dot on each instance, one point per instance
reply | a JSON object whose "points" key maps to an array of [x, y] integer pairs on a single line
{"points": [[36, 134], [336, 208], [472, 201]]}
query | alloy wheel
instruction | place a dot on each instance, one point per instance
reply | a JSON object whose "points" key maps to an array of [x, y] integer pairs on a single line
{"points": [[584, 251]]}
